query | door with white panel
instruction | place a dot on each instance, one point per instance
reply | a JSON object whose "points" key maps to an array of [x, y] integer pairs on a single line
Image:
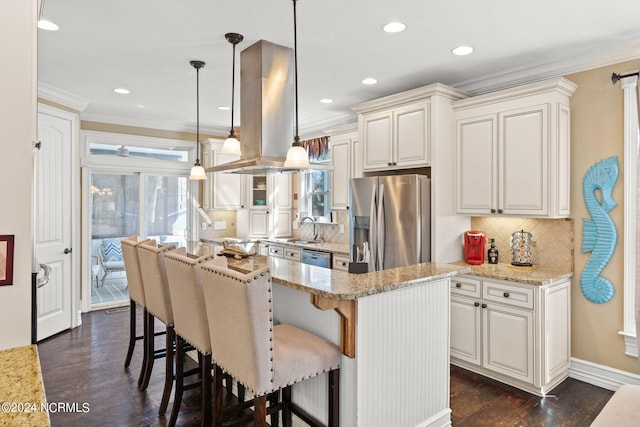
{"points": [[54, 219]]}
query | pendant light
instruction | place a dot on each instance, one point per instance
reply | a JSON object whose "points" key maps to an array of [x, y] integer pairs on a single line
{"points": [[231, 144], [297, 156], [197, 171]]}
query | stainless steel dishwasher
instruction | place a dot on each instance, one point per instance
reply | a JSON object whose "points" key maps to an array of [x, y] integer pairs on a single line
{"points": [[320, 259]]}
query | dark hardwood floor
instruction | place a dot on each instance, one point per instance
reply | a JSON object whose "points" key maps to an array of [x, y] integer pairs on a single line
{"points": [[85, 365]]}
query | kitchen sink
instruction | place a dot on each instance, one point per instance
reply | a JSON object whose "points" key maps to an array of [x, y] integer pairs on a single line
{"points": [[303, 242]]}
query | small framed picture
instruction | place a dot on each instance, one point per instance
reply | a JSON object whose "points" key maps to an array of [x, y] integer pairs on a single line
{"points": [[6, 259]]}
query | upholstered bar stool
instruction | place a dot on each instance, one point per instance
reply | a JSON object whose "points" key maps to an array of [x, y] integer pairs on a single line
{"points": [[263, 357], [190, 324], [158, 299], [136, 294]]}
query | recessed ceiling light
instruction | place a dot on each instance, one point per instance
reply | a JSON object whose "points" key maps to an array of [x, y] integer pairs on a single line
{"points": [[394, 27], [224, 108], [122, 91], [369, 81], [462, 50], [139, 106], [326, 100], [47, 25]]}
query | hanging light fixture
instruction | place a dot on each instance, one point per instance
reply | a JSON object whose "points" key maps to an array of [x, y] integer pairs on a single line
{"points": [[297, 156], [231, 144], [197, 171]]}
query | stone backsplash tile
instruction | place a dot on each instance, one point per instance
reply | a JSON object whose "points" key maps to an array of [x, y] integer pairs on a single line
{"points": [[553, 239], [326, 232], [220, 216]]}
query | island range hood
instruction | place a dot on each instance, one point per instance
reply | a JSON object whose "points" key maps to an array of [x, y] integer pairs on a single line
{"points": [[266, 111]]}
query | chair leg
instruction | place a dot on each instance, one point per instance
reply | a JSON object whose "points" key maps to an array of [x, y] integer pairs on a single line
{"points": [[334, 398], [286, 410], [177, 399], [150, 334], [145, 347], [168, 370], [218, 415], [205, 369], [273, 401], [260, 411], [132, 334]]}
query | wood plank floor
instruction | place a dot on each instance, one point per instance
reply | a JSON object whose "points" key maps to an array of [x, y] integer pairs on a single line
{"points": [[85, 365]]}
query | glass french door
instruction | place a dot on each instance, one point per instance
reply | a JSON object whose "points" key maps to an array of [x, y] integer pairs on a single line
{"points": [[150, 206]]}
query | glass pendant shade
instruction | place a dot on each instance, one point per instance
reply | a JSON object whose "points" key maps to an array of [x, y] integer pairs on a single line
{"points": [[297, 157], [231, 145], [197, 173]]}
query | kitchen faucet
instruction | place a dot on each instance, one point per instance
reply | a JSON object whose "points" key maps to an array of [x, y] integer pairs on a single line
{"points": [[313, 221]]}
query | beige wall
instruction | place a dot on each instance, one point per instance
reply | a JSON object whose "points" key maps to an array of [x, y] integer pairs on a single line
{"points": [[597, 133], [17, 133]]}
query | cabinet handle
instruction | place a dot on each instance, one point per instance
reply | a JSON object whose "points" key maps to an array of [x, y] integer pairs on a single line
{"points": [[241, 206], [493, 211], [500, 211], [484, 305], [395, 164], [458, 285], [476, 304], [506, 294], [389, 164]]}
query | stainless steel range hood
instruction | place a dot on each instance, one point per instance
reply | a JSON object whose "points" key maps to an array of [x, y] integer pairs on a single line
{"points": [[266, 115]]}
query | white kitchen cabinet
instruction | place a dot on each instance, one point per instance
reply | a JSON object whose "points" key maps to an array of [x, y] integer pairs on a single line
{"points": [[513, 332], [270, 208], [345, 159], [221, 191], [340, 262], [512, 151], [396, 138]]}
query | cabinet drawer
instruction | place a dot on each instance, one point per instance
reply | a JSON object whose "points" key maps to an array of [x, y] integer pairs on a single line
{"points": [[465, 286], [276, 251], [292, 254], [340, 263], [507, 294]]}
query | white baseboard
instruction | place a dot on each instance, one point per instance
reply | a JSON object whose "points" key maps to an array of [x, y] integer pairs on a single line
{"points": [[600, 375]]}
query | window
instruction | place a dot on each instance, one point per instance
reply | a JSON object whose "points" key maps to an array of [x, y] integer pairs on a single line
{"points": [[316, 202]]}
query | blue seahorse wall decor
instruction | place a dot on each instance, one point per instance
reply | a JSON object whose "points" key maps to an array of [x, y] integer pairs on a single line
{"points": [[599, 233]]}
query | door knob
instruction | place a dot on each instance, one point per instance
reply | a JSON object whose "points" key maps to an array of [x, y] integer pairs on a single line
{"points": [[67, 250]]}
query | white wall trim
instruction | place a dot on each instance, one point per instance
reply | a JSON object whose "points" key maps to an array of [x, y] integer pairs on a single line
{"points": [[600, 375], [59, 96], [628, 85]]}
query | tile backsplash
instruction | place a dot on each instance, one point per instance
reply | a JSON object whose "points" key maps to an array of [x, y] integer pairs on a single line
{"points": [[228, 217], [326, 232], [553, 239]]}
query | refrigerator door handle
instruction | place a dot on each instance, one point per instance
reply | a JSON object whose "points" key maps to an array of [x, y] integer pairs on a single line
{"points": [[373, 238], [380, 231]]}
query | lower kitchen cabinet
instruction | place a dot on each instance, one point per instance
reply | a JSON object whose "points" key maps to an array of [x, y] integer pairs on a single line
{"points": [[513, 332]]}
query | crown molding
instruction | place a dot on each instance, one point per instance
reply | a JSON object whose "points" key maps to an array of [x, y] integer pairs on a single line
{"points": [[149, 123], [64, 98]]}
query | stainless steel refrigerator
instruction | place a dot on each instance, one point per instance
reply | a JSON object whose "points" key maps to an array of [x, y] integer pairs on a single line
{"points": [[390, 221]]}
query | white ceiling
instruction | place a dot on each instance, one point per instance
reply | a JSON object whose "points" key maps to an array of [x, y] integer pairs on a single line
{"points": [[146, 46]]}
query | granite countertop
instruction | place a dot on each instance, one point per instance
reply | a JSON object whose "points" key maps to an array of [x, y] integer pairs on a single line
{"points": [[336, 248], [341, 285], [532, 275], [21, 388]]}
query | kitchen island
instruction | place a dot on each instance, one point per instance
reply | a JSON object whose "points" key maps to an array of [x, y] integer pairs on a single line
{"points": [[398, 371]]}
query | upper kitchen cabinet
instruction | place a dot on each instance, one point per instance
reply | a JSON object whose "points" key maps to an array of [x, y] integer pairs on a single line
{"points": [[222, 191], [346, 158], [513, 151], [396, 130], [270, 207]]}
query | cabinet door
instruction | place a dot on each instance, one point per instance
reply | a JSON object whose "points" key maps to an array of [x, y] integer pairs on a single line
{"points": [[465, 329], [524, 146], [411, 136], [341, 174], [258, 223], [377, 137], [281, 225], [279, 191], [507, 334], [258, 192], [477, 176], [227, 187]]}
